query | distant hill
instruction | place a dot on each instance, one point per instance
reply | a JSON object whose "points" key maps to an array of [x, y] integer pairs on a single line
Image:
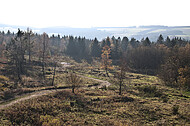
{"points": [[102, 32]]}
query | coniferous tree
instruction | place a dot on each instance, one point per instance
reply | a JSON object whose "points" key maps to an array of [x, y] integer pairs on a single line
{"points": [[160, 40], [95, 49], [124, 43], [116, 51], [29, 34], [81, 46], [168, 42], [113, 40], [71, 47], [133, 43], [146, 42], [8, 33], [16, 50], [103, 43], [119, 40], [108, 42], [173, 42]]}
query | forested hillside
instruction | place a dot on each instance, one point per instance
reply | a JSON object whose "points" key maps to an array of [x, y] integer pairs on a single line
{"points": [[134, 72]]}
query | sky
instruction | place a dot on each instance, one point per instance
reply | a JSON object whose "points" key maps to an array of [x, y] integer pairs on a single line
{"points": [[94, 13]]}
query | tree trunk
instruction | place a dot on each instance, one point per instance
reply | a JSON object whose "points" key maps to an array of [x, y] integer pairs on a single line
{"points": [[29, 48], [43, 70], [53, 75], [73, 90], [107, 72], [43, 57], [18, 70], [120, 87]]}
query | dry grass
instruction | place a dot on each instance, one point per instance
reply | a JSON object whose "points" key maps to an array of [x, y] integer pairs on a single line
{"points": [[98, 107], [144, 101]]}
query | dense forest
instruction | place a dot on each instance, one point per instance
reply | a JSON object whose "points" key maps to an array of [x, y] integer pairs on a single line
{"points": [[29, 60]]}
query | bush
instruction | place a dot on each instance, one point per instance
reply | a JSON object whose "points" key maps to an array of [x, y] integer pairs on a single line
{"points": [[3, 82], [49, 120], [8, 94], [165, 99], [3, 78], [175, 109], [184, 77], [175, 71], [150, 91]]}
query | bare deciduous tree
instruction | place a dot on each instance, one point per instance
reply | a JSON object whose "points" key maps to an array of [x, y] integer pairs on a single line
{"points": [[74, 81], [120, 75]]}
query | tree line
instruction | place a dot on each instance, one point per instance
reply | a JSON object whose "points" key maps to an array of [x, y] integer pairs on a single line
{"points": [[170, 55]]}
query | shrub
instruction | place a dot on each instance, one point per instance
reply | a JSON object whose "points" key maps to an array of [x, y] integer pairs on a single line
{"points": [[74, 81], [150, 91], [3, 82], [49, 120], [3, 78], [184, 77], [164, 98], [8, 94], [175, 109]]}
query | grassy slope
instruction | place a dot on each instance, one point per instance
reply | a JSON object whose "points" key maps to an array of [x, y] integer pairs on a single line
{"points": [[136, 106], [145, 101]]}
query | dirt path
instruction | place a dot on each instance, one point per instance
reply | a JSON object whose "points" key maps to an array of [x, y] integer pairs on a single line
{"points": [[102, 82], [29, 96], [45, 92]]}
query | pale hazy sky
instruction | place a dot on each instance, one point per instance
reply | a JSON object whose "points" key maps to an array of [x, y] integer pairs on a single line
{"points": [[94, 13]]}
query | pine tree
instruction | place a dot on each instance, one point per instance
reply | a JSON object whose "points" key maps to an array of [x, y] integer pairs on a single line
{"points": [[108, 41], [71, 47], [133, 43], [168, 42], [95, 49], [16, 50], [124, 43], [113, 39], [103, 43], [146, 42], [81, 47], [116, 51], [29, 34], [160, 39]]}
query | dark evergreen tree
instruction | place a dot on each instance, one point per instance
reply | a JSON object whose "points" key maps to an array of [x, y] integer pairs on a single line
{"points": [[95, 49], [168, 42], [108, 41], [103, 43], [8, 33], [119, 40], [71, 47], [81, 47], [124, 43], [116, 51], [133, 43], [160, 40], [146, 42], [173, 42], [113, 39]]}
